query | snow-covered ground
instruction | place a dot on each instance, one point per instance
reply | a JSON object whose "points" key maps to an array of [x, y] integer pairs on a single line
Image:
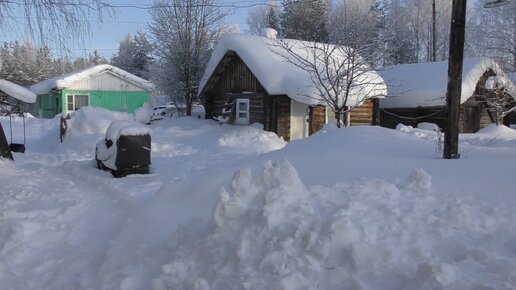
{"points": [[232, 207]]}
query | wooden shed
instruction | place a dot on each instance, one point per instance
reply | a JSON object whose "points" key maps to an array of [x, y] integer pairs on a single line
{"points": [[12, 95], [247, 82], [417, 94], [103, 86]]}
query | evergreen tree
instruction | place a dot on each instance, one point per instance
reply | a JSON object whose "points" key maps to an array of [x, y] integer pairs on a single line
{"points": [[305, 20], [124, 59], [273, 18], [142, 57], [95, 58]]}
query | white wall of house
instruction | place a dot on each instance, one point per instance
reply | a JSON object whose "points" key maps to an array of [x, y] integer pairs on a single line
{"points": [[106, 81], [298, 120]]}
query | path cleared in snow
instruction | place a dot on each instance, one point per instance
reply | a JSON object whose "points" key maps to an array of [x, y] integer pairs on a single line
{"points": [[362, 207]]}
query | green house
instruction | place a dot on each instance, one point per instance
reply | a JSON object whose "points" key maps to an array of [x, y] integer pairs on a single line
{"points": [[103, 86]]}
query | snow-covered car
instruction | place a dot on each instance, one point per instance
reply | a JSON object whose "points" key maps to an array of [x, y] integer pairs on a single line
{"points": [[162, 111], [170, 110], [125, 150]]}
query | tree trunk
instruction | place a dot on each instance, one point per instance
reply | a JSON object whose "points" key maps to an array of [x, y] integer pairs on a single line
{"points": [[338, 117]]}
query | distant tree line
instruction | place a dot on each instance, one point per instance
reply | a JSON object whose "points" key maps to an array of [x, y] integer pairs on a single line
{"points": [[399, 31], [174, 51]]}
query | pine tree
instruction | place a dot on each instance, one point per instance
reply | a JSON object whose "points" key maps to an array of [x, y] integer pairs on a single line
{"points": [[142, 57], [124, 59], [273, 19], [95, 58], [305, 20]]}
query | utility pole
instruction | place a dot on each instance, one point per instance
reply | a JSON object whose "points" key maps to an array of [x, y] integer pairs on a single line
{"points": [[434, 38], [453, 92]]}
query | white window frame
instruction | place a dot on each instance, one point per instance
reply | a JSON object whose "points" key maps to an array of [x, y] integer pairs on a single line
{"points": [[73, 101], [242, 120]]}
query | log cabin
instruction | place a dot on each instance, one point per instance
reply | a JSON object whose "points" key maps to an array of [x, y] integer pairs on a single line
{"points": [[248, 80], [417, 94]]}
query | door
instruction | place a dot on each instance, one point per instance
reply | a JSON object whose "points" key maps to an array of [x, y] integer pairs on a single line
{"points": [[242, 112], [471, 119]]}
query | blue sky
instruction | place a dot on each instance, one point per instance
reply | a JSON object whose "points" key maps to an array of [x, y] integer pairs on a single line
{"points": [[106, 36]]}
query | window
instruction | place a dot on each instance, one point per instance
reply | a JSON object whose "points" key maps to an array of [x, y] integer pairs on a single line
{"points": [[242, 111], [77, 101]]}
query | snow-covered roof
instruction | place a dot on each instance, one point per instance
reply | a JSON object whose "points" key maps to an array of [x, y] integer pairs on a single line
{"points": [[424, 84], [16, 91], [267, 60], [64, 81]]}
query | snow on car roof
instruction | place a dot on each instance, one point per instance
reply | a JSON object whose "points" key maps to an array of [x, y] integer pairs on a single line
{"points": [[424, 84], [18, 92], [267, 61], [126, 128], [67, 80]]}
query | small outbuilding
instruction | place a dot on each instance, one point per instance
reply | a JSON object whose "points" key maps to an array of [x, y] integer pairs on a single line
{"points": [[417, 94], [103, 86], [248, 80], [12, 95]]}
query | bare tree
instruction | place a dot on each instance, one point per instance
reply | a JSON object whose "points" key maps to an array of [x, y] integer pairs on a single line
{"points": [[498, 99], [53, 20], [493, 33], [341, 77], [184, 32]]}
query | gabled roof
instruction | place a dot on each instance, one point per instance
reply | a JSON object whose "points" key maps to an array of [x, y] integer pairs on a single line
{"points": [[424, 84], [16, 91], [67, 80], [266, 59]]}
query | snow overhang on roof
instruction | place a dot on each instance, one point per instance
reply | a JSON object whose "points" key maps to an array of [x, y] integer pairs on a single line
{"points": [[67, 80], [424, 84], [267, 61], [18, 92]]}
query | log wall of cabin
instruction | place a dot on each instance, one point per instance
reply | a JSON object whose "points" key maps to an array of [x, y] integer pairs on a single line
{"points": [[365, 114], [281, 116], [317, 118], [237, 78], [232, 79]]}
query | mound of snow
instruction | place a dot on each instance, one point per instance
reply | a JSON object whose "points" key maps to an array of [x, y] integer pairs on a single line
{"points": [[90, 120], [144, 113], [498, 131], [250, 139], [269, 231], [428, 126]]}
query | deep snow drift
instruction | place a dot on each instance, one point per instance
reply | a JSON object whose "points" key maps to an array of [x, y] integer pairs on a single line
{"points": [[231, 207]]}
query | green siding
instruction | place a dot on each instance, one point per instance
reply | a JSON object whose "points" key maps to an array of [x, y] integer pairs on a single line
{"points": [[115, 101], [47, 105]]}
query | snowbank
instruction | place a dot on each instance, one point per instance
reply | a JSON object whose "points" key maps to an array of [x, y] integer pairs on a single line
{"points": [[91, 120], [250, 139], [271, 232], [144, 113]]}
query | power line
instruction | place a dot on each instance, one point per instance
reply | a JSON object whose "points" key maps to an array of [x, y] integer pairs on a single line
{"points": [[100, 6]]}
